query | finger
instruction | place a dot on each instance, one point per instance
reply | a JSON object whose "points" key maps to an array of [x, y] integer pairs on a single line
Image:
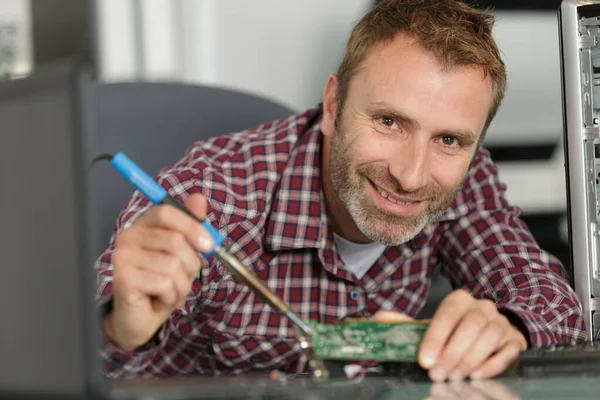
{"points": [[499, 362], [443, 323], [134, 285], [181, 281], [466, 334], [166, 267], [495, 390], [172, 243], [485, 343], [391, 316], [169, 217], [156, 261], [197, 204]]}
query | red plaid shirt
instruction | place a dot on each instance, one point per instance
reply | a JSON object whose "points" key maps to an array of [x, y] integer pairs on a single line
{"points": [[264, 189]]}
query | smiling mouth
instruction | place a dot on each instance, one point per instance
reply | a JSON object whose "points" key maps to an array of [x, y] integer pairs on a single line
{"points": [[386, 195]]}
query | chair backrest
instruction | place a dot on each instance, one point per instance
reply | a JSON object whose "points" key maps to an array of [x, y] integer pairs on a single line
{"points": [[154, 123]]}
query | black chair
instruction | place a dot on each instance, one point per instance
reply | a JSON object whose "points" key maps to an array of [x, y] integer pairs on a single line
{"points": [[154, 123]]}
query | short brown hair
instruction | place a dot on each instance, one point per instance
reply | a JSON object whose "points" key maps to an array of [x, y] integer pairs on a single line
{"points": [[457, 34]]}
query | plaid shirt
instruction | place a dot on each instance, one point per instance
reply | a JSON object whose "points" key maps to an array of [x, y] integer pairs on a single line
{"points": [[264, 190]]}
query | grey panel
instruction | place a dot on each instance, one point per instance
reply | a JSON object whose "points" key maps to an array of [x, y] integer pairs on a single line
{"points": [[41, 330]]}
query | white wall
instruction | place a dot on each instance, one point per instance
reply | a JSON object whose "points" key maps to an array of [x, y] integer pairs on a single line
{"points": [[532, 111], [285, 50], [280, 49]]}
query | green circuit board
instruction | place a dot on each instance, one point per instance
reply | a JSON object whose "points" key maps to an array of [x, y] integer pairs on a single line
{"points": [[360, 339]]}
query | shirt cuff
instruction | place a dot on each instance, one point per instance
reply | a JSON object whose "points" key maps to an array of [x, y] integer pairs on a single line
{"points": [[119, 363], [533, 326]]}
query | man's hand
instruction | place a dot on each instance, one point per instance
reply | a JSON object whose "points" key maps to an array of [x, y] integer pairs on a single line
{"points": [[469, 338], [155, 262]]}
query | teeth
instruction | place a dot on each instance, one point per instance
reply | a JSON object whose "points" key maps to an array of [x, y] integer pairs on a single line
{"points": [[385, 194]]}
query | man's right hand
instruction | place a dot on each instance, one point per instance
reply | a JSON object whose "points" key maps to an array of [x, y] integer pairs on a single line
{"points": [[154, 266]]}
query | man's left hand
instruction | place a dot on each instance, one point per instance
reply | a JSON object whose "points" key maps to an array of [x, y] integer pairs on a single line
{"points": [[469, 338]]}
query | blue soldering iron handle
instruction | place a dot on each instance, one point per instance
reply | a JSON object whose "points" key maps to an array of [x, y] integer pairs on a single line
{"points": [[156, 194]]}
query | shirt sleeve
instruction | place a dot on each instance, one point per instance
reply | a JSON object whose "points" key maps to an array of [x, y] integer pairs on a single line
{"points": [[488, 250], [151, 359]]}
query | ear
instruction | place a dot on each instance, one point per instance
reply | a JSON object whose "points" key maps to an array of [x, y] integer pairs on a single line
{"points": [[329, 105]]}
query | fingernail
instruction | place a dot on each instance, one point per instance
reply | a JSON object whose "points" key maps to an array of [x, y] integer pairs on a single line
{"points": [[427, 360], [205, 244], [456, 375], [478, 374], [437, 374]]}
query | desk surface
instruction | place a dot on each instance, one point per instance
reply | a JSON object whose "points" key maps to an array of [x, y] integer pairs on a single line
{"points": [[506, 388], [257, 388], [503, 389]]}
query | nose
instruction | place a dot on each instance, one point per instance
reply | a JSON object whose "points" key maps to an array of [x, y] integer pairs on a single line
{"points": [[409, 167]]}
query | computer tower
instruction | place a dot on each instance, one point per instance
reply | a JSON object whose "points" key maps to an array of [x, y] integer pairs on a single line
{"points": [[579, 23]]}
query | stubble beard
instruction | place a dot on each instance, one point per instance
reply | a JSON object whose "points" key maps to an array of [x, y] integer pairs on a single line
{"points": [[377, 224]]}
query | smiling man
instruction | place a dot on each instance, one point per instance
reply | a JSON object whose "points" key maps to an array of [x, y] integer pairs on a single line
{"points": [[344, 211]]}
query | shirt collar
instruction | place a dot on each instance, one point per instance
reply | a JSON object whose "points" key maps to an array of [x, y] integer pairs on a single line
{"points": [[298, 217]]}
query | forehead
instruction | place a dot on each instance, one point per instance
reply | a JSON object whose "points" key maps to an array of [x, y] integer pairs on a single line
{"points": [[402, 73], [403, 55]]}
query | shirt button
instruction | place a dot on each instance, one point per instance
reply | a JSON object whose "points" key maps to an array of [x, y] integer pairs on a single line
{"points": [[354, 294], [255, 360]]}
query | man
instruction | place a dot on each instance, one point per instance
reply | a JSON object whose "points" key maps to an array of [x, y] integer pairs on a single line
{"points": [[343, 211]]}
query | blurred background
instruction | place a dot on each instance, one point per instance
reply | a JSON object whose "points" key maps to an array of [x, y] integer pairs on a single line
{"points": [[285, 50]]}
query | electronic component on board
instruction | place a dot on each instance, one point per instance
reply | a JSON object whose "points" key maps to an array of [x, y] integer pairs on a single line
{"points": [[365, 339]]}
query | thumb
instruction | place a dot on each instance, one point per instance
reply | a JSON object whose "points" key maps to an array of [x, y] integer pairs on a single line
{"points": [[391, 316], [197, 204]]}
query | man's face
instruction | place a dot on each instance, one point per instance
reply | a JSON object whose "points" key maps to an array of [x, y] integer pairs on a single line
{"points": [[401, 146]]}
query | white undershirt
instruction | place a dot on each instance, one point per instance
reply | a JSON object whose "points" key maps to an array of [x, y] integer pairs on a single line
{"points": [[358, 257]]}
